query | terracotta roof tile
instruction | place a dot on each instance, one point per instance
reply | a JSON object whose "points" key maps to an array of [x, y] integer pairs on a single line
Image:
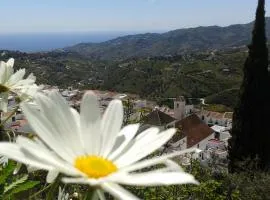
{"points": [[195, 129], [157, 118]]}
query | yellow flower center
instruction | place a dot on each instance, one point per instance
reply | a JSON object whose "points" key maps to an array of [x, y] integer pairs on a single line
{"points": [[94, 166], [3, 88]]}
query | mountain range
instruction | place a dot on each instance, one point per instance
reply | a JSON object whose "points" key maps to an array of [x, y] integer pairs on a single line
{"points": [[170, 43]]}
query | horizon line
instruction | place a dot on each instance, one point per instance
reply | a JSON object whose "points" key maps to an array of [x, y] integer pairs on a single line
{"points": [[119, 31]]}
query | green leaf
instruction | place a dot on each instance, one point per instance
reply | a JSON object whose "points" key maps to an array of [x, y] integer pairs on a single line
{"points": [[16, 183], [21, 188], [6, 172], [53, 189]]}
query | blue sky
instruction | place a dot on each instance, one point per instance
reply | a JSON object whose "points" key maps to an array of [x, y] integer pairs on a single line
{"points": [[121, 15]]}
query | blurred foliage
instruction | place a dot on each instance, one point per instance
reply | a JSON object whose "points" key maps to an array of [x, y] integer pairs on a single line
{"points": [[14, 186], [226, 97], [214, 185]]}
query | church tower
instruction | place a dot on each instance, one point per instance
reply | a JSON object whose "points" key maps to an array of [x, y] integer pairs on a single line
{"points": [[179, 107]]}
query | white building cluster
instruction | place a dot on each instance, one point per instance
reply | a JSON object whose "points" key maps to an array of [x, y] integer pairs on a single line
{"points": [[205, 130]]}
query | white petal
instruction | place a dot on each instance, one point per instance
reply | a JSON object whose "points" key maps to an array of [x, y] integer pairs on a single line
{"points": [[21, 84], [65, 122], [32, 77], [14, 152], [9, 69], [118, 192], [173, 166], [150, 132], [157, 178], [80, 180], [51, 176], [142, 139], [111, 125], [17, 169], [90, 124], [147, 136], [10, 62], [16, 77], [76, 116], [57, 117], [3, 160], [46, 132], [3, 68], [128, 133], [155, 161], [170, 166], [31, 169], [40, 153], [28, 93], [4, 101], [142, 149]]}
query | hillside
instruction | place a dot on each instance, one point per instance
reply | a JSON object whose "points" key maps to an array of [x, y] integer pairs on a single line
{"points": [[154, 66], [204, 74], [192, 75], [170, 43]]}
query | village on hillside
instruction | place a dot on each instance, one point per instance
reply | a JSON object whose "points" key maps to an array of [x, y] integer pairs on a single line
{"points": [[207, 131]]}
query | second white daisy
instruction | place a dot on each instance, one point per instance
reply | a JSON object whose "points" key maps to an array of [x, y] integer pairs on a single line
{"points": [[11, 82]]}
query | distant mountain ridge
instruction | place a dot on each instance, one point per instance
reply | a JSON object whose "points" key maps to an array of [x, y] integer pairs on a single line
{"points": [[170, 43]]}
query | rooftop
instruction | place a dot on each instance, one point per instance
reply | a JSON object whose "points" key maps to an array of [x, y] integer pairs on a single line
{"points": [[158, 118], [194, 129]]}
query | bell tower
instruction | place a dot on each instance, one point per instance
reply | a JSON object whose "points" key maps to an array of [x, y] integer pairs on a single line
{"points": [[179, 107]]}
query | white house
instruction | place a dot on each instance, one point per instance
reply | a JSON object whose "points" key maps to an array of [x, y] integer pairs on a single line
{"points": [[215, 118], [215, 151], [222, 132], [193, 132]]}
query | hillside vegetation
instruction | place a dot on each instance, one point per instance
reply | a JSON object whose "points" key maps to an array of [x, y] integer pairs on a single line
{"points": [[211, 74]]}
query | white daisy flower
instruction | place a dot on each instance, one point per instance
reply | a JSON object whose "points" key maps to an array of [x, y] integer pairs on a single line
{"points": [[93, 149], [14, 83]]}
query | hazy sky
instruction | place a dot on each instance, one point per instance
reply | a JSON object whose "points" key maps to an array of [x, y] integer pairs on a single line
{"points": [[121, 15]]}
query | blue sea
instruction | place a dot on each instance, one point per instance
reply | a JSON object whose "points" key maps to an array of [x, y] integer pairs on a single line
{"points": [[36, 42]]}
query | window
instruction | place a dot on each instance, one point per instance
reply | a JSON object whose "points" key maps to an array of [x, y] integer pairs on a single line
{"points": [[217, 135]]}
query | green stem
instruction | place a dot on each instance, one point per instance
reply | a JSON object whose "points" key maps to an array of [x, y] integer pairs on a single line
{"points": [[40, 191], [11, 114], [101, 195], [91, 194]]}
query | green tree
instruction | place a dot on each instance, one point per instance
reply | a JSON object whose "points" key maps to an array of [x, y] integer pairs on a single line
{"points": [[128, 110], [250, 131]]}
